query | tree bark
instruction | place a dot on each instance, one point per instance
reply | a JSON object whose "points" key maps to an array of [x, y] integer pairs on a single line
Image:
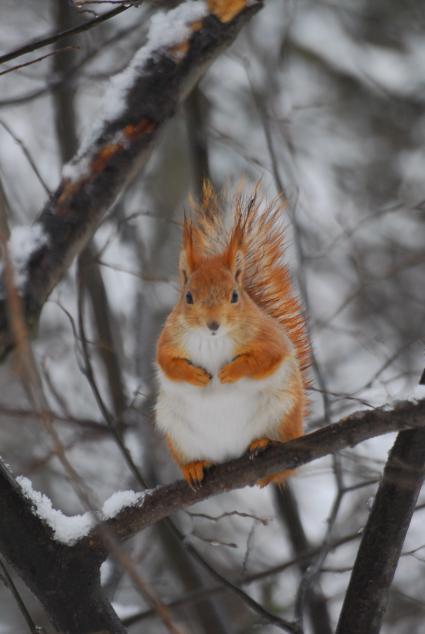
{"points": [[64, 578], [383, 537]]}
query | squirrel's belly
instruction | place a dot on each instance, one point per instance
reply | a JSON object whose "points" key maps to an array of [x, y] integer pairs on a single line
{"points": [[219, 422]]}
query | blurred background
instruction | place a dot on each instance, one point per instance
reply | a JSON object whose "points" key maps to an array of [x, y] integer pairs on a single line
{"points": [[322, 100]]}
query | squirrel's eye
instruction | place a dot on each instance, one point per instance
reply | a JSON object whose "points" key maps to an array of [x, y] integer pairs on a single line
{"points": [[189, 298], [235, 297]]}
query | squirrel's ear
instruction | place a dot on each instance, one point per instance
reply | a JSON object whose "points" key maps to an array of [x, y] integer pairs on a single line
{"points": [[187, 253]]}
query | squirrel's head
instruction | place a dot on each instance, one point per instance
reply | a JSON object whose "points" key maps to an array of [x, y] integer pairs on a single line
{"points": [[212, 295]]}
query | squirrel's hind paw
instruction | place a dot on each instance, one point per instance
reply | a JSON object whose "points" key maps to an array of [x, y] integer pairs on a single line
{"points": [[258, 445], [193, 472]]}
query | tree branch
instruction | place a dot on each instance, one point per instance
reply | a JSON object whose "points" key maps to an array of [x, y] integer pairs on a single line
{"points": [[162, 501], [383, 537], [160, 78], [53, 571]]}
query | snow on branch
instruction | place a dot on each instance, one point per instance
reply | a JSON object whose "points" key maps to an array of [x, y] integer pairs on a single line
{"points": [[167, 37], [68, 529], [180, 46], [22, 244]]}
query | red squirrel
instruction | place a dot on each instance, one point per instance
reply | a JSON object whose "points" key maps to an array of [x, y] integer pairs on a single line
{"points": [[233, 353]]}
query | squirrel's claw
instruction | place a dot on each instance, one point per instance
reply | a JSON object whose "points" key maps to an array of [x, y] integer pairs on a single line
{"points": [[257, 446], [193, 472]]}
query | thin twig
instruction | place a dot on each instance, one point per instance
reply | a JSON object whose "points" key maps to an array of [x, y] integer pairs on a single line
{"points": [[28, 157], [268, 617], [56, 82], [39, 59], [88, 371], [54, 37], [33, 628], [200, 595]]}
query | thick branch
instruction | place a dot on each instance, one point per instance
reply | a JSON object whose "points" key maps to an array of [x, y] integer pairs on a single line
{"points": [[164, 500], [53, 571], [160, 79], [383, 537]]}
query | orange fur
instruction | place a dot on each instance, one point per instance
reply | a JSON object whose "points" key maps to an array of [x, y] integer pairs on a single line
{"points": [[266, 279], [214, 262], [291, 427], [177, 368]]}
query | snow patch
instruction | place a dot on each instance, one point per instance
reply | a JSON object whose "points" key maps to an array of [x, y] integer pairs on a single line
{"points": [[418, 393], [125, 611], [106, 571], [66, 529], [79, 166], [120, 500], [23, 242]]}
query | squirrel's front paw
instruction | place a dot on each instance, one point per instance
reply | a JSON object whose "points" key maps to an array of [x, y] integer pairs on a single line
{"points": [[227, 374], [200, 377]]}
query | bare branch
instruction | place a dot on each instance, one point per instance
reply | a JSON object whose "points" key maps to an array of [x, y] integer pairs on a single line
{"points": [[54, 37], [27, 156], [162, 501], [199, 595], [8, 581], [38, 59]]}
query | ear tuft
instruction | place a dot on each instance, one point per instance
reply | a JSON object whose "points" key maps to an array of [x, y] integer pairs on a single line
{"points": [[235, 255], [187, 259], [238, 265]]}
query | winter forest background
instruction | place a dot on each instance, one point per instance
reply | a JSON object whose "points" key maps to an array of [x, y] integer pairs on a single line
{"points": [[325, 101]]}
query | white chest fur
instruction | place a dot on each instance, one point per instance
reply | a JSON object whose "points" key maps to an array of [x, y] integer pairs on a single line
{"points": [[218, 422]]}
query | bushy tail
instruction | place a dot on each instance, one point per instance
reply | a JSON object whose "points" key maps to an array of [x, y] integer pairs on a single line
{"points": [[259, 232]]}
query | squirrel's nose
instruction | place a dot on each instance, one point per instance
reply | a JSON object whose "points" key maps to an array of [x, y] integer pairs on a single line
{"points": [[213, 325]]}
